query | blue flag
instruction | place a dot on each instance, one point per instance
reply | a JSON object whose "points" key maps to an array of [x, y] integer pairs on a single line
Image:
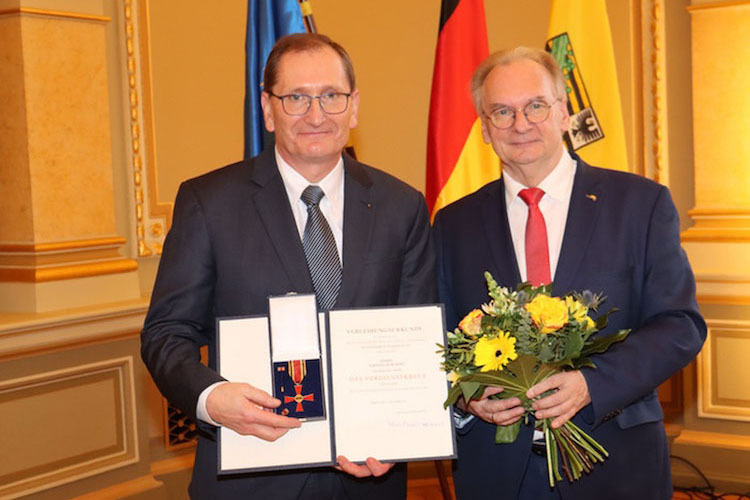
{"points": [[267, 21]]}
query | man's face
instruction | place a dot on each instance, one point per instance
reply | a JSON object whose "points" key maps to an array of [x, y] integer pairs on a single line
{"points": [[524, 147], [315, 139]]}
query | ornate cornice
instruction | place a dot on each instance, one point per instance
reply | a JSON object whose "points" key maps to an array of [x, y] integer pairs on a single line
{"points": [[152, 219]]}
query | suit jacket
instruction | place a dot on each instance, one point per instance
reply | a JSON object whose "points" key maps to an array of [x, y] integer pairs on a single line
{"points": [[234, 242], [621, 238]]}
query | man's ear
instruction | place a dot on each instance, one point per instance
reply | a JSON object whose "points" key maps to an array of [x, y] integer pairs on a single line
{"points": [[485, 132], [565, 116], [265, 103], [354, 103]]}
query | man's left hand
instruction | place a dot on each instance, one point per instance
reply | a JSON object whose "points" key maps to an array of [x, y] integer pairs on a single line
{"points": [[372, 467], [571, 394]]}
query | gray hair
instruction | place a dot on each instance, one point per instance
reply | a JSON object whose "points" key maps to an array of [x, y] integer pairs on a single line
{"points": [[504, 57]]}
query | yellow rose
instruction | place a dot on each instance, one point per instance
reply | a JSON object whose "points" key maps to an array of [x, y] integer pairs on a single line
{"points": [[549, 313], [472, 323]]}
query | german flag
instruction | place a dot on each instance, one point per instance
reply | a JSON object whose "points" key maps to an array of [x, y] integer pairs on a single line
{"points": [[458, 160]]}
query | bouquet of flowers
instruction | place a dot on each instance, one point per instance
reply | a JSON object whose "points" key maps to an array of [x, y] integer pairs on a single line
{"points": [[519, 339]]}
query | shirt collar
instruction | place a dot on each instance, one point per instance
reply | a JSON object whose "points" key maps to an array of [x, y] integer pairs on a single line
{"points": [[557, 184], [295, 183]]}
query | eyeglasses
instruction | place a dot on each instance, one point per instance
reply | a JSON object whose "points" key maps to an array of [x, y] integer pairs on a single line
{"points": [[332, 103], [535, 112]]}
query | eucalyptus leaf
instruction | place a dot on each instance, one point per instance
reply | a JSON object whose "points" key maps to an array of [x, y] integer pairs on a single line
{"points": [[507, 433], [453, 395], [600, 343], [573, 344]]}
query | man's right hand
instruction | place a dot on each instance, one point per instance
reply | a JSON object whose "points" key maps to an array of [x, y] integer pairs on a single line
{"points": [[494, 411], [240, 407]]}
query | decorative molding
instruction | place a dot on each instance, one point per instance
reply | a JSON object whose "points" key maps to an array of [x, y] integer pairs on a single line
{"points": [[41, 275], [723, 300], [654, 92], [152, 219], [718, 5], [102, 456], [719, 224], [172, 465], [711, 404], [61, 245], [139, 487], [697, 233], [42, 262], [714, 440], [37, 335], [54, 13]]}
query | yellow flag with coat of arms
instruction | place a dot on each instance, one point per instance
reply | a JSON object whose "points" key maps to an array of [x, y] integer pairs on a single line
{"points": [[579, 38]]}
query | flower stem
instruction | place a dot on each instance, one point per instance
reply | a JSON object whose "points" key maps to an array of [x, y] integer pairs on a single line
{"points": [[547, 440]]}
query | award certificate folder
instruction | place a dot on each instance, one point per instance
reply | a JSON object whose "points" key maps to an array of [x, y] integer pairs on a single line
{"points": [[383, 390]]}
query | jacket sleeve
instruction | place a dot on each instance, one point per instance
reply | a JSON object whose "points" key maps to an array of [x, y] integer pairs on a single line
{"points": [[418, 284], [671, 330], [180, 317]]}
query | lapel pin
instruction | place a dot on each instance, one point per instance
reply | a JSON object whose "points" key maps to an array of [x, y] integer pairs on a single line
{"points": [[591, 197]]}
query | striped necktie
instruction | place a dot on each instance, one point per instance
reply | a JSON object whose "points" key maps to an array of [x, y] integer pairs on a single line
{"points": [[320, 250]]}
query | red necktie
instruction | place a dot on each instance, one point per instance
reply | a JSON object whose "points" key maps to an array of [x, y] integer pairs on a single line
{"points": [[537, 251]]}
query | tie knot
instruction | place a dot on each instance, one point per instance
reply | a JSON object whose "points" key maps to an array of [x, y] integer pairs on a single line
{"points": [[312, 195], [531, 196]]}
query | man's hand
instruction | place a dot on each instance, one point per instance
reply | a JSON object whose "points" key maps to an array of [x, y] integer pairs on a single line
{"points": [[240, 407], [372, 467], [494, 411], [571, 394]]}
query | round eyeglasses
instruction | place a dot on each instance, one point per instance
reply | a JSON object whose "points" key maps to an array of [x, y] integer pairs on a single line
{"points": [[535, 112], [332, 103]]}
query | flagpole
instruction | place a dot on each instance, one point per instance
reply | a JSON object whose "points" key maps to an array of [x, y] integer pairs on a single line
{"points": [[307, 15]]}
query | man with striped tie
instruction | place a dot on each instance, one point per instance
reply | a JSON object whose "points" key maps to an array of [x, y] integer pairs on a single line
{"points": [[301, 217]]}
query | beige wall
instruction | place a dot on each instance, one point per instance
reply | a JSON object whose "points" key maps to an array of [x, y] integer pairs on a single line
{"points": [[197, 59], [172, 104]]}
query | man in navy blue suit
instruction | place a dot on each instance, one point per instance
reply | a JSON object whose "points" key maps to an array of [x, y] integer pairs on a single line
{"points": [[237, 238], [605, 231]]}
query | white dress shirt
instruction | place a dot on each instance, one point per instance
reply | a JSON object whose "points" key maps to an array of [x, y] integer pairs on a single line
{"points": [[332, 206], [557, 187]]}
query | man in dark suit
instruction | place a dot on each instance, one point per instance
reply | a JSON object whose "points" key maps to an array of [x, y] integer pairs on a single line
{"points": [[600, 230], [239, 234]]}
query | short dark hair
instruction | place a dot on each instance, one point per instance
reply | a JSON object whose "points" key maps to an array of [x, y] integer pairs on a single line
{"points": [[303, 42], [503, 57]]}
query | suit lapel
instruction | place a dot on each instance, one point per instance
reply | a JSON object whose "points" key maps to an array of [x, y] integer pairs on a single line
{"points": [[499, 241], [359, 213], [272, 203], [579, 227]]}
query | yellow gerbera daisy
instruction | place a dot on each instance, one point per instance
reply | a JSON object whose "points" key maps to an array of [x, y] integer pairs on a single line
{"points": [[494, 354]]}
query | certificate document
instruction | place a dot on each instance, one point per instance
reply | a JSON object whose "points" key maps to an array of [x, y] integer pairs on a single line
{"points": [[388, 387], [383, 390]]}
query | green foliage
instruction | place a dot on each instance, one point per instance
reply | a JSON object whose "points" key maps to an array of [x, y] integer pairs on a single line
{"points": [[538, 355]]}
